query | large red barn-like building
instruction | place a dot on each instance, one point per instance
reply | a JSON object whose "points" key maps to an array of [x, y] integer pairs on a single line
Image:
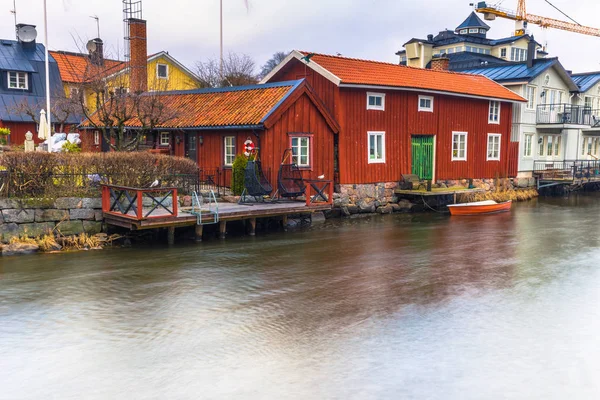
{"points": [[398, 120]]}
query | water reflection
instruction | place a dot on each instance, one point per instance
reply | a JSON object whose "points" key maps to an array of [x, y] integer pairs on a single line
{"points": [[407, 306]]}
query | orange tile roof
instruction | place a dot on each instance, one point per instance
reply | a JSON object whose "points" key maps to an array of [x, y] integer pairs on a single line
{"points": [[227, 107], [376, 73], [76, 67]]}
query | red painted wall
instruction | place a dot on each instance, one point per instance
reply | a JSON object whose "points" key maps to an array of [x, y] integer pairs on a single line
{"points": [[18, 131]]}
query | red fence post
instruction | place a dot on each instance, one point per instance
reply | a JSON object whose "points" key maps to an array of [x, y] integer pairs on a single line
{"points": [[307, 194], [175, 202], [330, 193], [140, 204], [105, 198]]}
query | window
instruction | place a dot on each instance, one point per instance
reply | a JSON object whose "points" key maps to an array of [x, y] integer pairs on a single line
{"points": [[165, 138], [517, 54], [494, 115], [450, 51], [375, 101], [549, 145], [18, 80], [588, 102], [590, 146], [530, 95], [473, 30], [468, 48], [229, 146], [493, 147], [96, 137], [162, 71], [503, 52], [376, 147], [527, 145], [426, 103], [301, 151], [463, 31], [546, 79], [482, 31], [459, 146], [459, 49]]}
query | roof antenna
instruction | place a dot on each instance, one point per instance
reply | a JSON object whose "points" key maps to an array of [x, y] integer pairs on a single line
{"points": [[97, 24], [14, 12]]}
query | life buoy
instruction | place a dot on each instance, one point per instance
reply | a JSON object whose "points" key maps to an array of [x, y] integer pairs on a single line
{"points": [[248, 147]]}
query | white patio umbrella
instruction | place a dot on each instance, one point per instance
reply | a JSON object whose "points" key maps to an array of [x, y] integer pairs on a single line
{"points": [[44, 128]]}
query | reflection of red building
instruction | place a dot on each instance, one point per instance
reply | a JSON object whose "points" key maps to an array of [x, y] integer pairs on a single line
{"points": [[210, 127], [399, 120]]}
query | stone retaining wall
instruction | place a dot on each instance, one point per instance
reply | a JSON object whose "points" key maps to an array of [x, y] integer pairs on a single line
{"points": [[36, 217], [368, 198]]}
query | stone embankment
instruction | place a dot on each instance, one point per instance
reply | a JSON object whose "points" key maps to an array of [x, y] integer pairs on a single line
{"points": [[36, 217]]}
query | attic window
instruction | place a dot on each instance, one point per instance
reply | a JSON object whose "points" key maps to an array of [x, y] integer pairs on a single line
{"points": [[375, 101], [482, 31], [18, 80], [473, 30], [162, 71], [464, 31]]}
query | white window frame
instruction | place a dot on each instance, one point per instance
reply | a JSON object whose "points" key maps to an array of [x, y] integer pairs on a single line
{"points": [[96, 137], [166, 68], [463, 31], [298, 156], [18, 75], [492, 114], [426, 109], [379, 158], [228, 150], [473, 30], [458, 157], [493, 136], [504, 49], [375, 107], [530, 92], [528, 145], [164, 135]]}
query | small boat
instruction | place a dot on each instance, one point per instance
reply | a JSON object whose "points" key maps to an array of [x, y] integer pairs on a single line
{"points": [[479, 207]]}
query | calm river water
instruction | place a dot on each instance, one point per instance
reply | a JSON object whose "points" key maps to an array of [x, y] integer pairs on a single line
{"points": [[398, 307]]}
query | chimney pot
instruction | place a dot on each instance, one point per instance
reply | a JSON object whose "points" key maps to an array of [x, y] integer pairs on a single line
{"points": [[531, 48]]}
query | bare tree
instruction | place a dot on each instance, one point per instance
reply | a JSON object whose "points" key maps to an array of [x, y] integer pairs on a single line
{"points": [[238, 70], [63, 109], [274, 61]]}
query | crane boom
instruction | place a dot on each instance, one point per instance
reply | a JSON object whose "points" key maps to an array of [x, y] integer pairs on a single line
{"points": [[490, 12]]}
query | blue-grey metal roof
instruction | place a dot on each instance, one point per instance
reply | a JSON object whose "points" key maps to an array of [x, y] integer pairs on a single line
{"points": [[586, 81], [468, 59], [510, 40], [473, 21], [27, 57], [513, 71]]}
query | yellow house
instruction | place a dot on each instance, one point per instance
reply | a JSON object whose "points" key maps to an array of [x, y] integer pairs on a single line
{"points": [[78, 70]]}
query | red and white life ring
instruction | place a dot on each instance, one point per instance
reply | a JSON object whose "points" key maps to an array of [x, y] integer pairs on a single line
{"points": [[248, 147]]}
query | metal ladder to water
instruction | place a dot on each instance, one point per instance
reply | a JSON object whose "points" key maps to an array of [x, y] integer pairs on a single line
{"points": [[206, 216]]}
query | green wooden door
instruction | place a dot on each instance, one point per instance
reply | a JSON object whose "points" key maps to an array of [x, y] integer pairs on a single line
{"points": [[422, 156]]}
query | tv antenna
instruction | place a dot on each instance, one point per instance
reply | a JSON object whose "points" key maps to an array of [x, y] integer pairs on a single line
{"points": [[14, 12], [97, 24]]}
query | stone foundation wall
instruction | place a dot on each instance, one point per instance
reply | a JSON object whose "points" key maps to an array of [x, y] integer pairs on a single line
{"points": [[36, 217], [367, 198], [487, 184]]}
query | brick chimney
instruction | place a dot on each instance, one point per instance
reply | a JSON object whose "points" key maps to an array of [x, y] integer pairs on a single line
{"points": [[138, 60], [440, 63]]}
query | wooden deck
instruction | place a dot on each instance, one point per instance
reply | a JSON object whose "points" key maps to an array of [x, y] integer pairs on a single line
{"points": [[227, 212]]}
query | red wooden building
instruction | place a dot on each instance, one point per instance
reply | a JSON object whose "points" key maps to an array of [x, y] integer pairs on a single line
{"points": [[210, 126], [398, 120]]}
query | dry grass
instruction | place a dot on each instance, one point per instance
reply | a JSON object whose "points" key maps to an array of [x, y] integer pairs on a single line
{"points": [[23, 240], [499, 195]]}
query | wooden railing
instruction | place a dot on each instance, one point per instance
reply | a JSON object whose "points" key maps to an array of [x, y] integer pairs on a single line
{"points": [[323, 191], [139, 203]]}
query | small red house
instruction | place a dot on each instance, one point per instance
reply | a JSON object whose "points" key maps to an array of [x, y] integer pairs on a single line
{"points": [[398, 120], [210, 126]]}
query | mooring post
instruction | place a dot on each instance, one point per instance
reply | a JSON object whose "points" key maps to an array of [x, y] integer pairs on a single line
{"points": [[252, 226], [171, 235], [222, 229], [454, 197], [199, 229], [284, 222]]}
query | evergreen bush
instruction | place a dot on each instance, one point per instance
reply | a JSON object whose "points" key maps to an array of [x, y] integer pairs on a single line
{"points": [[237, 175]]}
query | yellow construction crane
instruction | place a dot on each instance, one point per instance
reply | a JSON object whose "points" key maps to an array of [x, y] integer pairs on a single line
{"points": [[522, 18]]}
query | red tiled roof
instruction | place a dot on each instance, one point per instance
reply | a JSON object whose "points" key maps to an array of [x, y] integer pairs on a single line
{"points": [[365, 72], [76, 67], [205, 108]]}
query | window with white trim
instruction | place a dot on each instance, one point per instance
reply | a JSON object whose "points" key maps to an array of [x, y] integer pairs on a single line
{"points": [[530, 96], [549, 145], [473, 30], [463, 31], [162, 71], [493, 146], [517, 54], [17, 80], [375, 101], [96, 137], [459, 146], [376, 147], [494, 114], [426, 103], [165, 138], [528, 145], [503, 52], [301, 150], [590, 146], [229, 149]]}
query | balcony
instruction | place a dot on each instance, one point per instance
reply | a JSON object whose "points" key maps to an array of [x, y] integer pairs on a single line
{"points": [[567, 114]]}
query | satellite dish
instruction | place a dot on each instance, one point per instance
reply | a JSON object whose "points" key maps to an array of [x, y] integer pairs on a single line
{"points": [[91, 46], [26, 33]]}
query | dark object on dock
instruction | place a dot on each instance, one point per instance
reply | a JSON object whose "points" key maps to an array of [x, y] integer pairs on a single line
{"points": [[409, 181], [256, 183], [289, 179]]}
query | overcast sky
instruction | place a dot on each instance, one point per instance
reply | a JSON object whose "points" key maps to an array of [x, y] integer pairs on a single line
{"points": [[374, 29]]}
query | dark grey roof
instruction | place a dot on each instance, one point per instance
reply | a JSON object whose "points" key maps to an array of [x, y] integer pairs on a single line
{"points": [[467, 59], [29, 57], [586, 80], [473, 21]]}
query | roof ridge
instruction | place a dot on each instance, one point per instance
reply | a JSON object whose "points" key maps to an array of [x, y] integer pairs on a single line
{"points": [[242, 88]]}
